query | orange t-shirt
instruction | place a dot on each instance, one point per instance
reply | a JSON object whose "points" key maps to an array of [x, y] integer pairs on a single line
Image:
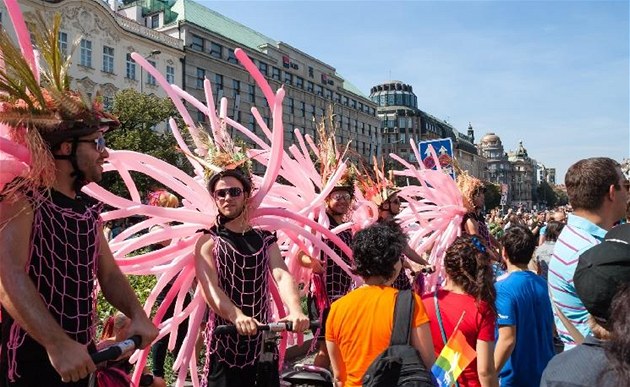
{"points": [[361, 323]]}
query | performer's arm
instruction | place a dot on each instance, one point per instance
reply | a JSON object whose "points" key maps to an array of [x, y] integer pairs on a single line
{"points": [[120, 294], [19, 296], [411, 254], [288, 289], [212, 293]]}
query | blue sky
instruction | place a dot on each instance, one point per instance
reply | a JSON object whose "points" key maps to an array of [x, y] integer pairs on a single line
{"points": [[554, 74]]}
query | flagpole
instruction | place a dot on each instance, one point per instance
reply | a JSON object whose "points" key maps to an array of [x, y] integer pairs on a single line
{"points": [[458, 322]]}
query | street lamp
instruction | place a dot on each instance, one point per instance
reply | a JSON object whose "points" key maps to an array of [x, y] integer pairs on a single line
{"points": [[151, 55]]}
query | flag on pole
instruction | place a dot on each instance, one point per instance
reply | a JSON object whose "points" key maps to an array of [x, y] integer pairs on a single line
{"points": [[454, 358]]}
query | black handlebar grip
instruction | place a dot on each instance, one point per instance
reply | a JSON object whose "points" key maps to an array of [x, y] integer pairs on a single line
{"points": [[223, 329], [113, 352]]}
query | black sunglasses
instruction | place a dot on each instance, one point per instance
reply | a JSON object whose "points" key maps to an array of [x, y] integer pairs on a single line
{"points": [[99, 142], [234, 192]]}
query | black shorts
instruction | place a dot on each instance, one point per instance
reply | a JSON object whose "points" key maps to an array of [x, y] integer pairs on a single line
{"points": [[313, 315]]}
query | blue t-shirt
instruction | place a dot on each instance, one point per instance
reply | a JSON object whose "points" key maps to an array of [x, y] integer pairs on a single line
{"points": [[523, 301]]}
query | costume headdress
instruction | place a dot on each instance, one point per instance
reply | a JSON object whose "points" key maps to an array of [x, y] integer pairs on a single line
{"points": [[468, 185], [375, 186], [37, 108], [328, 155]]}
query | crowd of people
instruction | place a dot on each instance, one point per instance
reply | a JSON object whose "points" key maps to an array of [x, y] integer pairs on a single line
{"points": [[561, 274]]}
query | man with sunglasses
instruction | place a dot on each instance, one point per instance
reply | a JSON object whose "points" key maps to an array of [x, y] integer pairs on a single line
{"points": [[330, 280], [52, 253], [598, 193], [388, 207], [233, 263]]}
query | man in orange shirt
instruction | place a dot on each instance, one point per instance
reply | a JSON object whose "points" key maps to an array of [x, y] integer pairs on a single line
{"points": [[359, 324]]}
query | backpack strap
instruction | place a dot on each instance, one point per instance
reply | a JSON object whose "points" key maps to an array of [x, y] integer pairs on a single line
{"points": [[403, 311]]}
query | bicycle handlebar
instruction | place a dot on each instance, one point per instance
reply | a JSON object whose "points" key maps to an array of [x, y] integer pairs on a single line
{"points": [[273, 327], [114, 351]]}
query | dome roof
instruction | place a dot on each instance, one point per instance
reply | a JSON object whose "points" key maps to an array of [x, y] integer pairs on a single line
{"points": [[490, 137]]}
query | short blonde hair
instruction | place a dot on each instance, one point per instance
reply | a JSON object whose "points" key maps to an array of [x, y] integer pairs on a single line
{"points": [[163, 198]]}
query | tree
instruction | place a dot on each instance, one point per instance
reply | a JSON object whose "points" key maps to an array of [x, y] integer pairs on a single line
{"points": [[492, 196], [138, 114], [563, 198], [546, 195]]}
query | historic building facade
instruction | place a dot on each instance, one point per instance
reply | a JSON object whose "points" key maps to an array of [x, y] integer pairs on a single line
{"points": [[104, 40], [312, 87], [402, 121]]}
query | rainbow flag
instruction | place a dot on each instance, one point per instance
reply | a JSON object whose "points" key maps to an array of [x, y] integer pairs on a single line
{"points": [[455, 356]]}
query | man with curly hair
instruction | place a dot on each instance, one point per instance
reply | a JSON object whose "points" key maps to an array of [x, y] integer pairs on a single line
{"points": [[359, 325]]}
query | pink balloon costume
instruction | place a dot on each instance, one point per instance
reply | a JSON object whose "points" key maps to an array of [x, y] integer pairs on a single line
{"points": [[295, 209]]}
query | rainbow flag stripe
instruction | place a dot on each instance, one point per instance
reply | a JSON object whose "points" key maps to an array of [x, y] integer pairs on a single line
{"points": [[454, 358]]}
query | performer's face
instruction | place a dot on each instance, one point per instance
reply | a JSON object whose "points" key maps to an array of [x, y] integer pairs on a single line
{"points": [[339, 201], [230, 196], [91, 155], [392, 204]]}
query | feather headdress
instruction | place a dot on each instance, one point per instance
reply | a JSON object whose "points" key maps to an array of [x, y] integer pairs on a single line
{"points": [[375, 186], [328, 155], [37, 108]]}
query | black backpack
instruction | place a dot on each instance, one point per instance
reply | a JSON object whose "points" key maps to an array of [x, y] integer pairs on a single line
{"points": [[400, 364]]}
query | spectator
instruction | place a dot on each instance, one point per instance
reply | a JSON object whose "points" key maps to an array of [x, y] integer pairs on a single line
{"points": [[542, 255], [469, 287], [559, 216], [602, 359], [598, 193], [107, 230], [359, 325], [525, 320]]}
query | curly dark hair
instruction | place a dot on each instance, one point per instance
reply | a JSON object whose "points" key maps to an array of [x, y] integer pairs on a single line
{"points": [[469, 266], [618, 347], [519, 244], [589, 180], [377, 248]]}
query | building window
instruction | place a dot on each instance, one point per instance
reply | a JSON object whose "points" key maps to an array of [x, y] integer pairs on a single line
{"points": [[327, 93], [290, 105], [131, 68], [288, 78], [108, 59], [251, 91], [86, 53], [276, 73], [231, 57], [197, 43], [344, 100], [201, 75], [155, 21], [218, 83], [170, 74], [236, 85], [337, 97], [262, 66], [318, 90], [151, 78], [251, 123], [353, 103], [63, 43], [302, 109], [310, 111], [299, 82], [200, 116], [309, 86], [310, 72], [108, 102], [216, 50]]}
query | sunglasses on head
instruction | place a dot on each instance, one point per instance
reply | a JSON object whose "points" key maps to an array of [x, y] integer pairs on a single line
{"points": [[99, 142], [234, 192]]}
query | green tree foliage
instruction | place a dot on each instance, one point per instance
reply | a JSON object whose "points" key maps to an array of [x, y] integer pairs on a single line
{"points": [[563, 199], [546, 195], [138, 114], [493, 195]]}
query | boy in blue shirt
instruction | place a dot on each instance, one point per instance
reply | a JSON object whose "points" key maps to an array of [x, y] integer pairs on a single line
{"points": [[525, 319]]}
